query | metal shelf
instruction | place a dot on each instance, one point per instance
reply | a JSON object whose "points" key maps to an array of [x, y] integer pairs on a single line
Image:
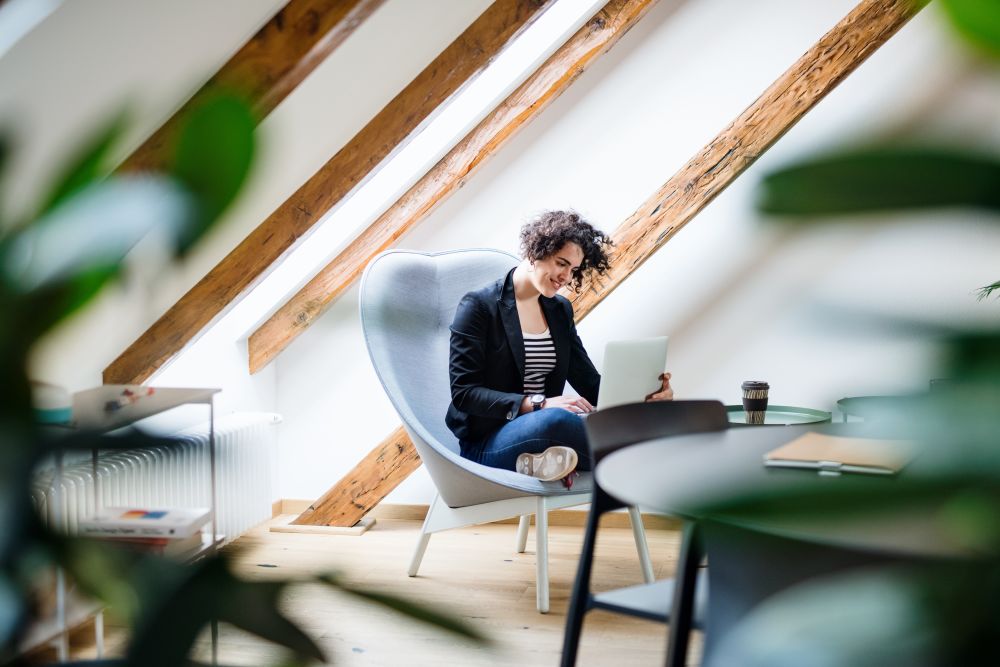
{"points": [[89, 413]]}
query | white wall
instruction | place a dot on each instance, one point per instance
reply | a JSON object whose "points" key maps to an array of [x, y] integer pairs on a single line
{"points": [[80, 66], [737, 296]]}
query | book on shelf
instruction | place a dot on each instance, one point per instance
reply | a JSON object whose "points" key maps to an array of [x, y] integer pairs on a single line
{"points": [[174, 522], [832, 455], [164, 546]]}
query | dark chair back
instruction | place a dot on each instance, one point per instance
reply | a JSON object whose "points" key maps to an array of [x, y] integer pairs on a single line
{"points": [[610, 430]]}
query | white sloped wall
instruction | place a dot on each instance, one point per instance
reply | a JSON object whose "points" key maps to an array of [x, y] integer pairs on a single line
{"points": [[738, 297]]}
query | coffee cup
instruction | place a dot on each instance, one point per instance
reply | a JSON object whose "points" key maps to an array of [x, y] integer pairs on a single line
{"points": [[755, 400]]}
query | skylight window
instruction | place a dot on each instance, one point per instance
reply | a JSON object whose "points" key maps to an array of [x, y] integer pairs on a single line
{"points": [[432, 140]]}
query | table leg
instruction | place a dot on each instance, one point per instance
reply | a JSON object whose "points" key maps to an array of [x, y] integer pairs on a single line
{"points": [[685, 579], [215, 642]]}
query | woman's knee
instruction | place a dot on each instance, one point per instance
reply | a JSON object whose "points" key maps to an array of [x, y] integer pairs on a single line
{"points": [[558, 416], [562, 425]]}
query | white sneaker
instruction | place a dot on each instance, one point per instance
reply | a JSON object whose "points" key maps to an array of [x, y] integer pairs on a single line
{"points": [[552, 464]]}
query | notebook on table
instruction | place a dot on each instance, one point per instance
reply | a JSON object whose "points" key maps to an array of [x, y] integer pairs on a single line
{"points": [[631, 370], [832, 455]]}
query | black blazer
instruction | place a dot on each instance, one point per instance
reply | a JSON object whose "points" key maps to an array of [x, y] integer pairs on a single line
{"points": [[487, 359]]}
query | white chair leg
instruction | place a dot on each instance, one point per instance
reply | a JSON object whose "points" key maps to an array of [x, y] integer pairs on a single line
{"points": [[522, 533], [542, 555], [99, 633], [418, 554], [425, 537], [639, 533]]}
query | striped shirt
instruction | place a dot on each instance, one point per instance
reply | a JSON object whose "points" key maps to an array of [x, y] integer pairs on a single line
{"points": [[539, 360]]}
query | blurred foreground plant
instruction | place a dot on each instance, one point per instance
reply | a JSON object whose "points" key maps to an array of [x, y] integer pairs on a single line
{"points": [[897, 176], [51, 264], [928, 613]]}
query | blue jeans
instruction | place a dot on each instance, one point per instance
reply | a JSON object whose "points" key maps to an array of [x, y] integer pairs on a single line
{"points": [[532, 432]]}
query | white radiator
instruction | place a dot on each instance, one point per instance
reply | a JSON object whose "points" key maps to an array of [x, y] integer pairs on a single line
{"points": [[175, 475]]}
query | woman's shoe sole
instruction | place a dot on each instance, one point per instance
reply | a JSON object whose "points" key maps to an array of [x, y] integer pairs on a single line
{"points": [[552, 464]]}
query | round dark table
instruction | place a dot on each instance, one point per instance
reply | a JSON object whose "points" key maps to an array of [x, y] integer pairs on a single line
{"points": [[752, 559], [880, 407], [677, 475]]}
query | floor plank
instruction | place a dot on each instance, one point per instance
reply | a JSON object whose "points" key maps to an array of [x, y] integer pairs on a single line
{"points": [[473, 573]]}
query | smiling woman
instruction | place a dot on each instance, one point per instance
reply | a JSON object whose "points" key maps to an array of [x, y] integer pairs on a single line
{"points": [[513, 348]]}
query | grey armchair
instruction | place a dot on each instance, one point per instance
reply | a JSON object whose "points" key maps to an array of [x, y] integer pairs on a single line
{"points": [[408, 301]]}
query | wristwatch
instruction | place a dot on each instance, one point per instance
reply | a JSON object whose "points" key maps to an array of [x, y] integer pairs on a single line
{"points": [[537, 401]]}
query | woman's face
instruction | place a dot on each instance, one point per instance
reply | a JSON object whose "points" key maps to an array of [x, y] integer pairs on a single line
{"points": [[556, 270]]}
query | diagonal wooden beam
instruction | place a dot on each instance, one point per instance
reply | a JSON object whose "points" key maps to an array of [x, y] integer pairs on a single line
{"points": [[597, 37], [739, 145], [800, 88], [254, 257], [268, 67], [372, 479]]}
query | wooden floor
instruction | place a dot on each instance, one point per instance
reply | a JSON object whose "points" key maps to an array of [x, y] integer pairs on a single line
{"points": [[473, 573]]}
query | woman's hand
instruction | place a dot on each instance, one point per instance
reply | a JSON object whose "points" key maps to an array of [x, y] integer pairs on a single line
{"points": [[575, 404], [665, 393]]}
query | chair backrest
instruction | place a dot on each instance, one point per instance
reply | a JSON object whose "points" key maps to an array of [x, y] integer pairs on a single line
{"points": [[408, 301], [611, 429]]}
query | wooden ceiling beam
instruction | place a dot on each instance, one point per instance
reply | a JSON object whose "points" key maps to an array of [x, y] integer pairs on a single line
{"points": [[869, 25], [269, 66], [255, 256], [594, 39], [797, 91]]}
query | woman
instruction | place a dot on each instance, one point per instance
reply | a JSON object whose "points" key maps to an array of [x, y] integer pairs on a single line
{"points": [[513, 347]]}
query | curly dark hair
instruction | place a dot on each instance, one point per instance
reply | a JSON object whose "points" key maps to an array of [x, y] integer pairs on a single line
{"points": [[551, 230]]}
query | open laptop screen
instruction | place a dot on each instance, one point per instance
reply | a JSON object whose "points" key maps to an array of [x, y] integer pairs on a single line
{"points": [[631, 370]]}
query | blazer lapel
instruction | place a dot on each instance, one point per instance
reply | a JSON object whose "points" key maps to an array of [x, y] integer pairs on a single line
{"points": [[511, 322]]}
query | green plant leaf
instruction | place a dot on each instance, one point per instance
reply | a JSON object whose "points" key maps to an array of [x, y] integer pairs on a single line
{"points": [[4, 152], [978, 21], [56, 265], [867, 618], [92, 230], [881, 179], [12, 611], [975, 356], [102, 570], [986, 291], [45, 308], [89, 165], [215, 147], [183, 605], [253, 607], [416, 611]]}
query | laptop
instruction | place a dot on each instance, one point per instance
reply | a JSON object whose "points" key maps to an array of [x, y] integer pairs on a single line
{"points": [[631, 370]]}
